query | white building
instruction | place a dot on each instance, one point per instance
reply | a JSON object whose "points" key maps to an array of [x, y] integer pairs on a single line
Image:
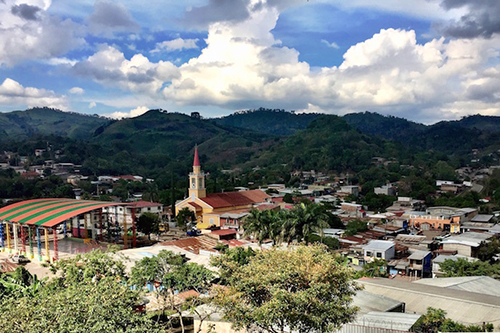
{"points": [[379, 249]]}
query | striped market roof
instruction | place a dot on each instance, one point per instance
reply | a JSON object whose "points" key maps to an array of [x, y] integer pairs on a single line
{"points": [[49, 212]]}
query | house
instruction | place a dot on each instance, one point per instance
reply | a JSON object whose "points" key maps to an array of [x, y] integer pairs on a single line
{"points": [[352, 209], [441, 218], [466, 244], [420, 264], [209, 208], [350, 189], [385, 190], [379, 249]]}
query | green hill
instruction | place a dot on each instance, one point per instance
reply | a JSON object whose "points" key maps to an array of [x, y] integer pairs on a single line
{"points": [[158, 139], [269, 121], [47, 121]]}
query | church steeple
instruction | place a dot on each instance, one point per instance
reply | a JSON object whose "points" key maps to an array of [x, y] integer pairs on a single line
{"points": [[197, 178]]}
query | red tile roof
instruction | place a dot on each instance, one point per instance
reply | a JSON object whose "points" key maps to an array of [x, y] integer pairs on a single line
{"points": [[232, 199], [224, 232], [195, 205], [142, 204]]}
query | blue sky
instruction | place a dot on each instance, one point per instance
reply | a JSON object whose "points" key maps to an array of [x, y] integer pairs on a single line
{"points": [[426, 60]]}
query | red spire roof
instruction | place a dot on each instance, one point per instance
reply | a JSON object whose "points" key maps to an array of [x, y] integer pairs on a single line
{"points": [[196, 158]]}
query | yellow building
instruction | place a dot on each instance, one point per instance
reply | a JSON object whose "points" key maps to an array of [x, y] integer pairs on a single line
{"points": [[216, 209]]}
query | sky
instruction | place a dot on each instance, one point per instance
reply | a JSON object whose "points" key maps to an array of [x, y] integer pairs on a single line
{"points": [[424, 60]]}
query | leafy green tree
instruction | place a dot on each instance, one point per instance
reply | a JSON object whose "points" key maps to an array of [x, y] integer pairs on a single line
{"points": [[464, 267], [84, 268], [435, 321], [148, 223], [376, 268], [106, 305], [231, 260], [288, 198], [305, 289], [185, 216], [355, 226], [174, 275]]}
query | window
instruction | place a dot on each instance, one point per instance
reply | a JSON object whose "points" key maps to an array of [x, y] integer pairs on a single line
{"points": [[379, 255], [368, 253], [212, 221]]}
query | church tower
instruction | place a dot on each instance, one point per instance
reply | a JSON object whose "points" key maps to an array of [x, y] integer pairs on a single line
{"points": [[197, 179]]}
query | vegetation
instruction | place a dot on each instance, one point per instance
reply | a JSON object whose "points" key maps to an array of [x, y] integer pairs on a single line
{"points": [[355, 226], [376, 268], [298, 223], [306, 290], [149, 223], [435, 321], [464, 267], [184, 217]]}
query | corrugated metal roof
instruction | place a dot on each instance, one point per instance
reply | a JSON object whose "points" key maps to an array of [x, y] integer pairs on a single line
{"points": [[49, 212], [462, 306], [475, 284]]}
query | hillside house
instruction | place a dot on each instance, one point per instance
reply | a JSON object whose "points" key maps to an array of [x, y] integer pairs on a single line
{"points": [[379, 249]]}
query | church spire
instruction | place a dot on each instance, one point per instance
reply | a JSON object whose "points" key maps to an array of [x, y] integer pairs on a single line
{"points": [[196, 162]]}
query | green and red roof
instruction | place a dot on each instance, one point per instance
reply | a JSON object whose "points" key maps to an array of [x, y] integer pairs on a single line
{"points": [[50, 212]]}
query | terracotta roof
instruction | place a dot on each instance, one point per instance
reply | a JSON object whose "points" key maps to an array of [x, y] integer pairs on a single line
{"points": [[266, 207], [232, 199], [224, 232], [195, 205], [142, 204], [187, 294], [194, 244], [196, 161], [128, 177], [234, 242]]}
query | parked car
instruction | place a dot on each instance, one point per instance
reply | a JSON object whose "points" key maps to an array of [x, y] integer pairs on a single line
{"points": [[20, 259]]}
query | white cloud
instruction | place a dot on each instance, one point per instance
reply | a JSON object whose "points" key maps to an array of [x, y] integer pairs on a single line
{"points": [[130, 114], [109, 66], [244, 66], [12, 93], [92, 105], [76, 91], [27, 31], [332, 44], [176, 45]]}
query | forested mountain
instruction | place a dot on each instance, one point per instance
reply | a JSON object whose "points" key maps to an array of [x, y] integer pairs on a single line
{"points": [[47, 121], [269, 121], [157, 141]]}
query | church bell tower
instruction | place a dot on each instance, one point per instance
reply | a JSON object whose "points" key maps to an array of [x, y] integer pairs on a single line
{"points": [[197, 179]]}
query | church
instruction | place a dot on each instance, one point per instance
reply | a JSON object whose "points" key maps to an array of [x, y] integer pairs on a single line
{"points": [[218, 209]]}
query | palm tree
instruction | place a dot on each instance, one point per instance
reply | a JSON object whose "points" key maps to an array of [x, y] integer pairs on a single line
{"points": [[263, 225], [304, 220]]}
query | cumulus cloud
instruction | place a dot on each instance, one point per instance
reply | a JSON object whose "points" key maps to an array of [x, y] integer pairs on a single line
{"points": [[12, 93], [110, 17], [130, 114], [92, 105], [244, 66], [109, 66], [25, 11], [27, 31], [481, 20], [76, 91], [332, 44], [176, 45]]}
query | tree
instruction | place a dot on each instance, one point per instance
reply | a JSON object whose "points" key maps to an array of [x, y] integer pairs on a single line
{"points": [[376, 268], [231, 261], [304, 220], [148, 223], [288, 198], [464, 267], [174, 275], [185, 216], [306, 289], [435, 321], [262, 225], [355, 226]]}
